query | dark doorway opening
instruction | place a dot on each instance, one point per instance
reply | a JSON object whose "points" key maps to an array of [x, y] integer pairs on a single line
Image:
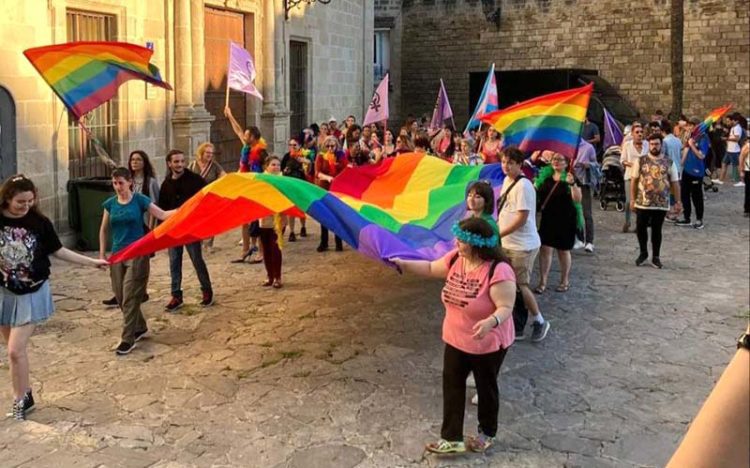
{"points": [[297, 86], [8, 158]]}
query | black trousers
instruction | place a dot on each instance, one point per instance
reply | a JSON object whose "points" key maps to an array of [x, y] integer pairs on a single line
{"points": [[654, 219], [324, 239], [691, 188], [456, 367]]}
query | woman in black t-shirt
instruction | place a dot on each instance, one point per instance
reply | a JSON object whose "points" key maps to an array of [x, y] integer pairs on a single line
{"points": [[27, 239]]}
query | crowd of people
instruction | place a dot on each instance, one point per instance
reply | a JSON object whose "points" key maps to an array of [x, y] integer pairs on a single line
{"points": [[488, 295]]}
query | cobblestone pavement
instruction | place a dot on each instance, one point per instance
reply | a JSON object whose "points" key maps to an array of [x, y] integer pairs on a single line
{"points": [[342, 367]]}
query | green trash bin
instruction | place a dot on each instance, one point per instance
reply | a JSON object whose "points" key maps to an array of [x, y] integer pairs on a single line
{"points": [[85, 198]]}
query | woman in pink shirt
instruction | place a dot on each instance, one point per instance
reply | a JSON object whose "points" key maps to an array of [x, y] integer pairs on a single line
{"points": [[478, 295]]}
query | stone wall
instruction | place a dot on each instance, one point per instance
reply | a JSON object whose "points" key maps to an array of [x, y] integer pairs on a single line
{"points": [[627, 41], [339, 37]]}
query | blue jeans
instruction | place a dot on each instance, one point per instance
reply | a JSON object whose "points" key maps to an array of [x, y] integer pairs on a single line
{"points": [[175, 268]]}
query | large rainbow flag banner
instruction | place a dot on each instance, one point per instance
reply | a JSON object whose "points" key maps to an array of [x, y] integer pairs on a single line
{"points": [[550, 122], [715, 115], [85, 75], [404, 207]]}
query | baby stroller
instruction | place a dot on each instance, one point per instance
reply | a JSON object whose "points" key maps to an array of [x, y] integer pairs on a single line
{"points": [[612, 188], [709, 184]]}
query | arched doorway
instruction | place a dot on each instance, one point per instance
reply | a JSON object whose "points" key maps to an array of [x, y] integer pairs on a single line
{"points": [[8, 162]]}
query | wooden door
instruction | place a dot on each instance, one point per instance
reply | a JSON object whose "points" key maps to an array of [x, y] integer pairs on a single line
{"points": [[221, 27]]}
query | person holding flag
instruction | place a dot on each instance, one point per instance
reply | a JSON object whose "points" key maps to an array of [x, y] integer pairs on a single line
{"points": [[694, 168]]}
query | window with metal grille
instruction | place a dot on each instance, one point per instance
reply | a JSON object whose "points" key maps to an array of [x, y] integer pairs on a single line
{"points": [[298, 86], [83, 160]]}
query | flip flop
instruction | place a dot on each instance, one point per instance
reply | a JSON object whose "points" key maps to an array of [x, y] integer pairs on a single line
{"points": [[562, 288], [540, 289]]}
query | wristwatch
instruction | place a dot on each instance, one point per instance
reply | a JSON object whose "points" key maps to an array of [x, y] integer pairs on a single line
{"points": [[744, 341]]}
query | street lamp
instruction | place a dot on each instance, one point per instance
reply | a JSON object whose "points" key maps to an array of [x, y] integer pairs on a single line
{"points": [[289, 4]]}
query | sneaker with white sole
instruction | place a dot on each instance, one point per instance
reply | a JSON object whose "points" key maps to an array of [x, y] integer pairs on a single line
{"points": [[699, 224], [589, 247], [539, 331], [475, 399], [27, 406], [578, 245], [124, 348], [739, 184]]}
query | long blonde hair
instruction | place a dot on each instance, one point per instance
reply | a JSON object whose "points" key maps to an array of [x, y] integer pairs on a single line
{"points": [[202, 149]]}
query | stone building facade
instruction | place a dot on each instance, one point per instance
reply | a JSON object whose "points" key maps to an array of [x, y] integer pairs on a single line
{"points": [[312, 65], [626, 41]]}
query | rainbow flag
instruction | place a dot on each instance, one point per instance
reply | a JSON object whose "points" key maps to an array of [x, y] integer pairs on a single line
{"points": [[550, 122], [404, 207], [85, 75], [715, 115]]}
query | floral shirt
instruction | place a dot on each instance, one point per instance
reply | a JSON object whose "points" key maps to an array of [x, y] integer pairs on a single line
{"points": [[654, 178]]}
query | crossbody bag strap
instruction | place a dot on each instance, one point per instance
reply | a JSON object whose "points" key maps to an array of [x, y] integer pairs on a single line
{"points": [[504, 198], [549, 195]]}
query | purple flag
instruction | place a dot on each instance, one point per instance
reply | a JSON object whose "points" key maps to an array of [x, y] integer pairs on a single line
{"points": [[612, 130], [377, 111], [241, 71], [442, 110]]}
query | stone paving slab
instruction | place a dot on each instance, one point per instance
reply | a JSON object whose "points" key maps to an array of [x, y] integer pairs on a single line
{"points": [[342, 367]]}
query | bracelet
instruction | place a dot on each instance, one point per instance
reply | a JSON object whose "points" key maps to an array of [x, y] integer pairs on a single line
{"points": [[497, 321]]}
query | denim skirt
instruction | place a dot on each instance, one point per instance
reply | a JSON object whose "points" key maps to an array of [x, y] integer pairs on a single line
{"points": [[22, 309]]}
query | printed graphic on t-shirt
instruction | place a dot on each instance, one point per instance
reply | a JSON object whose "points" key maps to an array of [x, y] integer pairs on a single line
{"points": [[458, 290], [17, 247]]}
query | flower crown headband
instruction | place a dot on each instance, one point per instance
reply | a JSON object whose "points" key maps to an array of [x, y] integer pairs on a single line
{"points": [[473, 239]]}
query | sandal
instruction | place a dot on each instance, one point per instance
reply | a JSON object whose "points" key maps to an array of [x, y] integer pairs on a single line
{"points": [[540, 289], [277, 284], [255, 261], [480, 443], [443, 446], [245, 255], [267, 283], [563, 287]]}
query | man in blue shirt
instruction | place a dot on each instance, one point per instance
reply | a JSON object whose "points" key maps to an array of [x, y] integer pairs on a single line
{"points": [[694, 168], [672, 147]]}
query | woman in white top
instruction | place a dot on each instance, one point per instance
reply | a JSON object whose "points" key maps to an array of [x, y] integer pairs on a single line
{"points": [[632, 149]]}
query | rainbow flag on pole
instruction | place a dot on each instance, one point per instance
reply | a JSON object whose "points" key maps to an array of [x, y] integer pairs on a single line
{"points": [[85, 75], [551, 122], [403, 207], [715, 115]]}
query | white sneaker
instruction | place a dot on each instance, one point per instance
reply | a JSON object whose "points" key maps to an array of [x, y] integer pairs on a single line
{"points": [[739, 184], [475, 400], [589, 247], [470, 382], [578, 245], [717, 181]]}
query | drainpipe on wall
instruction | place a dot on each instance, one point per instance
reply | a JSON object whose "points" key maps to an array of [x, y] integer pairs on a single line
{"points": [[56, 133]]}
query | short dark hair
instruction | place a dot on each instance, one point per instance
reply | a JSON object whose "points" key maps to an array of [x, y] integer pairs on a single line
{"points": [[659, 112], [172, 152], [484, 190], [254, 131], [666, 126], [422, 141], [656, 136], [123, 172], [513, 154]]}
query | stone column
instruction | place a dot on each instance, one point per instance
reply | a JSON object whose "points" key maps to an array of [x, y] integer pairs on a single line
{"points": [[274, 118], [198, 29], [191, 122], [183, 57]]}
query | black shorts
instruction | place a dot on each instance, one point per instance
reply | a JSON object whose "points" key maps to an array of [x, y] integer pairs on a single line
{"points": [[254, 229]]}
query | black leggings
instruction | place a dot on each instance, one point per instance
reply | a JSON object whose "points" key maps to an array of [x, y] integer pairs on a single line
{"points": [[692, 188], [456, 367], [645, 219]]}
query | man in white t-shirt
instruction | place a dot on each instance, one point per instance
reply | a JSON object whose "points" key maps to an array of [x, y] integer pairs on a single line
{"points": [[732, 156], [629, 154], [518, 234]]}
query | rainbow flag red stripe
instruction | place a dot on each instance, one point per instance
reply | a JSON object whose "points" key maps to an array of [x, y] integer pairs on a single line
{"points": [[85, 75], [550, 122], [715, 115]]}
